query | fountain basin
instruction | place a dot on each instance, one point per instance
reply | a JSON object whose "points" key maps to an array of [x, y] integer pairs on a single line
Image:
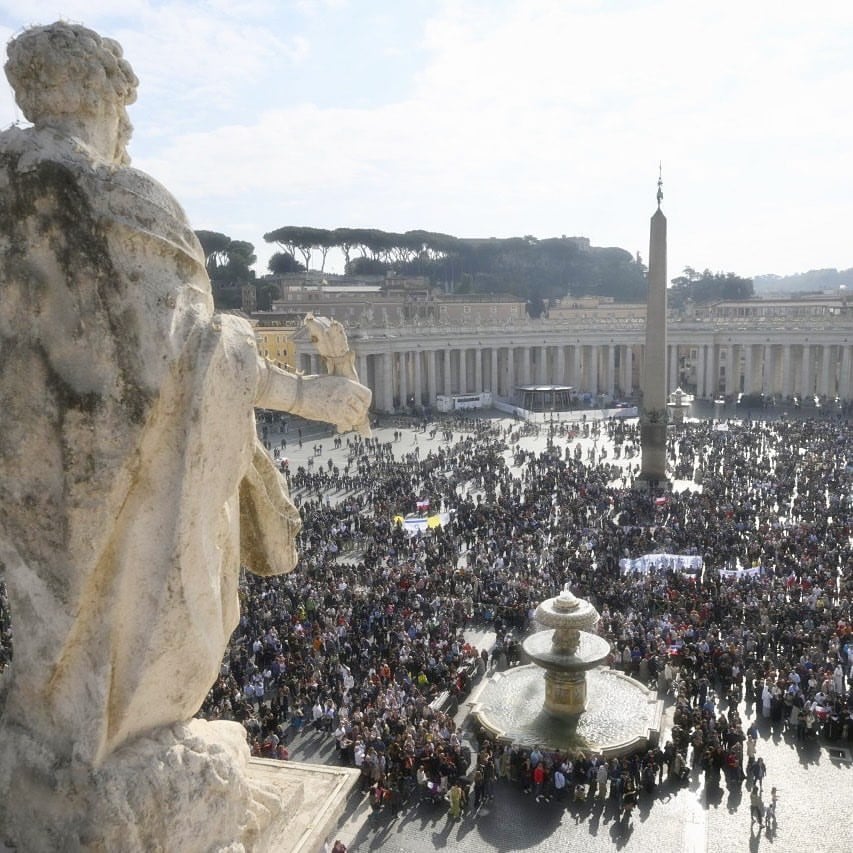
{"points": [[621, 717]]}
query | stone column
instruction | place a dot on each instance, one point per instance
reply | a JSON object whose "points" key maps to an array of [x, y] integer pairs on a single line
{"points": [[700, 371], [560, 372], [369, 377], [738, 360], [510, 373], [498, 370], [525, 366], [387, 383], [787, 376], [542, 373], [395, 379], [594, 358], [478, 370], [825, 387], [375, 360], [712, 370], [361, 368], [845, 387], [418, 390], [432, 379], [625, 371], [806, 380], [730, 369], [403, 362], [611, 369], [457, 358], [576, 366], [448, 387], [673, 368], [768, 374], [747, 369]]}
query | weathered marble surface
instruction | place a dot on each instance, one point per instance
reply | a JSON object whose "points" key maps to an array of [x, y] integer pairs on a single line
{"points": [[131, 481]]}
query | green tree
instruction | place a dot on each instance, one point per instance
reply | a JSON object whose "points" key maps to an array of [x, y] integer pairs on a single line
{"points": [[301, 239], [227, 261], [241, 256], [345, 240], [707, 287], [367, 266], [215, 248], [525, 266], [282, 263]]}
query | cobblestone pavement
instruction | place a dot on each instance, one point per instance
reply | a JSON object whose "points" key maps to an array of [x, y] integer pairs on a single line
{"points": [[813, 812]]}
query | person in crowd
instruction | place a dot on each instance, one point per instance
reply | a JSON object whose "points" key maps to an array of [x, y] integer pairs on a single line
{"points": [[756, 806]]}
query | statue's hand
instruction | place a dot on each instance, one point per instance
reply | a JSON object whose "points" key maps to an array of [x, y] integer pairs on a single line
{"points": [[336, 400]]}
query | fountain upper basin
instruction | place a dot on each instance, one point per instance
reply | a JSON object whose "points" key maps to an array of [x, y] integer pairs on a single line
{"points": [[591, 651]]}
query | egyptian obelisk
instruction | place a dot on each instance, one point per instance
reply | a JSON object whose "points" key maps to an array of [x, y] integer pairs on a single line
{"points": [[654, 413]]}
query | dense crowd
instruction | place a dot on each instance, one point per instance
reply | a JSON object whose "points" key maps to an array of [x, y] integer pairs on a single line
{"points": [[366, 640]]}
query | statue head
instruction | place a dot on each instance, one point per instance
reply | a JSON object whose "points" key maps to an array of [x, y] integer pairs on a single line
{"points": [[68, 78]]}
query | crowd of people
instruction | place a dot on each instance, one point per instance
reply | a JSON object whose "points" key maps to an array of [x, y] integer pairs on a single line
{"points": [[366, 640]]}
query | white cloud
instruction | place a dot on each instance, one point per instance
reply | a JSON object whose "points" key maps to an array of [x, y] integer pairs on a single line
{"points": [[524, 116]]}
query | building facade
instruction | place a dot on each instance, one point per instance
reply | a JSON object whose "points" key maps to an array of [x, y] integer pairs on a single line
{"points": [[276, 339], [471, 346]]}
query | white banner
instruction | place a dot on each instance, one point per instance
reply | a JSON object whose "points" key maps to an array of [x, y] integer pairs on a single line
{"points": [[689, 563], [752, 572]]}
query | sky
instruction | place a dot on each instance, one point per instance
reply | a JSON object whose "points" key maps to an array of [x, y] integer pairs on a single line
{"points": [[497, 118]]}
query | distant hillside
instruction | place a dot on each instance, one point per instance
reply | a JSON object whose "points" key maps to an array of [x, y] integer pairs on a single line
{"points": [[811, 281]]}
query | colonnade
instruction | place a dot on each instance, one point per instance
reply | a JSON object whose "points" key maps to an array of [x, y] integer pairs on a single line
{"points": [[783, 369], [419, 375], [415, 367]]}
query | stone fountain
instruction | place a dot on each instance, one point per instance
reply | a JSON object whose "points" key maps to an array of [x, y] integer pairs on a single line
{"points": [[566, 652], [578, 705]]}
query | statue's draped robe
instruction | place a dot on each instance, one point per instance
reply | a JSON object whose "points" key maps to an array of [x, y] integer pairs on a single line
{"points": [[126, 431]]}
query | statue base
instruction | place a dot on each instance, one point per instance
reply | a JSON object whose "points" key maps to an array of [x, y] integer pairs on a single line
{"points": [[324, 791], [190, 787]]}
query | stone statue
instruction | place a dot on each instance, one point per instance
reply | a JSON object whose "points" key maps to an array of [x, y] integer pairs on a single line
{"points": [[132, 484]]}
